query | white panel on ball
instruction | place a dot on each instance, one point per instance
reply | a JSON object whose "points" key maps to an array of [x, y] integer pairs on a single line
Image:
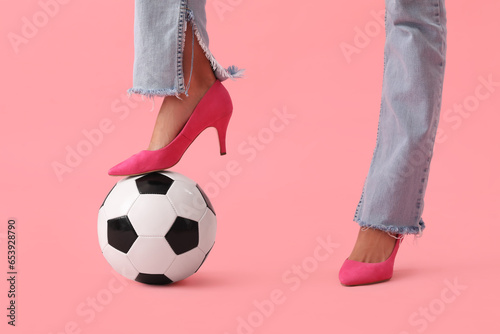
{"points": [[185, 264], [208, 228], [152, 215], [120, 262], [151, 255], [178, 177], [187, 200], [121, 198], [102, 228]]}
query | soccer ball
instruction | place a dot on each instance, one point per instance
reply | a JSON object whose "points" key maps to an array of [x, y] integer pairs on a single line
{"points": [[156, 228]]}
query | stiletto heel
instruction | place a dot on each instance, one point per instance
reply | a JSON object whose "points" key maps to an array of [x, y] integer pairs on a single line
{"points": [[221, 126], [215, 104], [360, 273]]}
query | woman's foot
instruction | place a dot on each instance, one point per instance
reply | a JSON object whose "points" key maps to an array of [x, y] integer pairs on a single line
{"points": [[372, 259], [372, 246], [213, 110], [174, 112]]}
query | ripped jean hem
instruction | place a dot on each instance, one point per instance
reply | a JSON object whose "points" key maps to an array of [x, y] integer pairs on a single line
{"points": [[151, 93], [416, 230], [187, 17], [232, 72]]}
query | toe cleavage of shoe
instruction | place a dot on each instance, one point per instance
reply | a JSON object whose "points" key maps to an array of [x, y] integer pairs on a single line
{"points": [[361, 273]]}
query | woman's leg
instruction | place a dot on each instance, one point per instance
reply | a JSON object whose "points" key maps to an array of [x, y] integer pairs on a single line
{"points": [[392, 199], [175, 112], [172, 60]]}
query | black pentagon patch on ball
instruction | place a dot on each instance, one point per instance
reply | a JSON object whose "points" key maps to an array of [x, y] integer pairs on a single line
{"points": [[207, 200], [107, 196], [157, 279], [121, 233], [204, 258], [183, 235], [154, 183]]}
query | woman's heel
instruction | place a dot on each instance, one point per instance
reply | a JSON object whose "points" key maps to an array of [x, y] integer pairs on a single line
{"points": [[221, 126]]}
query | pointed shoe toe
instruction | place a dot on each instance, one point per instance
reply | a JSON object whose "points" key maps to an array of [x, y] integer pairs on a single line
{"points": [[354, 273], [127, 167]]}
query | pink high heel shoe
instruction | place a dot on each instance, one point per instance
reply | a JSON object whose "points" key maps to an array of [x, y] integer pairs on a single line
{"points": [[359, 273], [213, 110]]}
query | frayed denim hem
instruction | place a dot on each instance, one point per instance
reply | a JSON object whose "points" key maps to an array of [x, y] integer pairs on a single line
{"points": [[151, 93], [416, 230], [220, 72], [187, 17]]}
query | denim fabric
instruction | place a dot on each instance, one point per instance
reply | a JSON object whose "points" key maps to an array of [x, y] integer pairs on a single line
{"points": [[392, 198], [159, 36]]}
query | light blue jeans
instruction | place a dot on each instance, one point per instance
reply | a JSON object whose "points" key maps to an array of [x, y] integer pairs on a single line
{"points": [[159, 36], [392, 198]]}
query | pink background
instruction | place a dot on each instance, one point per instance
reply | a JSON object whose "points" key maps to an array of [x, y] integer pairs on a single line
{"points": [[303, 184]]}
